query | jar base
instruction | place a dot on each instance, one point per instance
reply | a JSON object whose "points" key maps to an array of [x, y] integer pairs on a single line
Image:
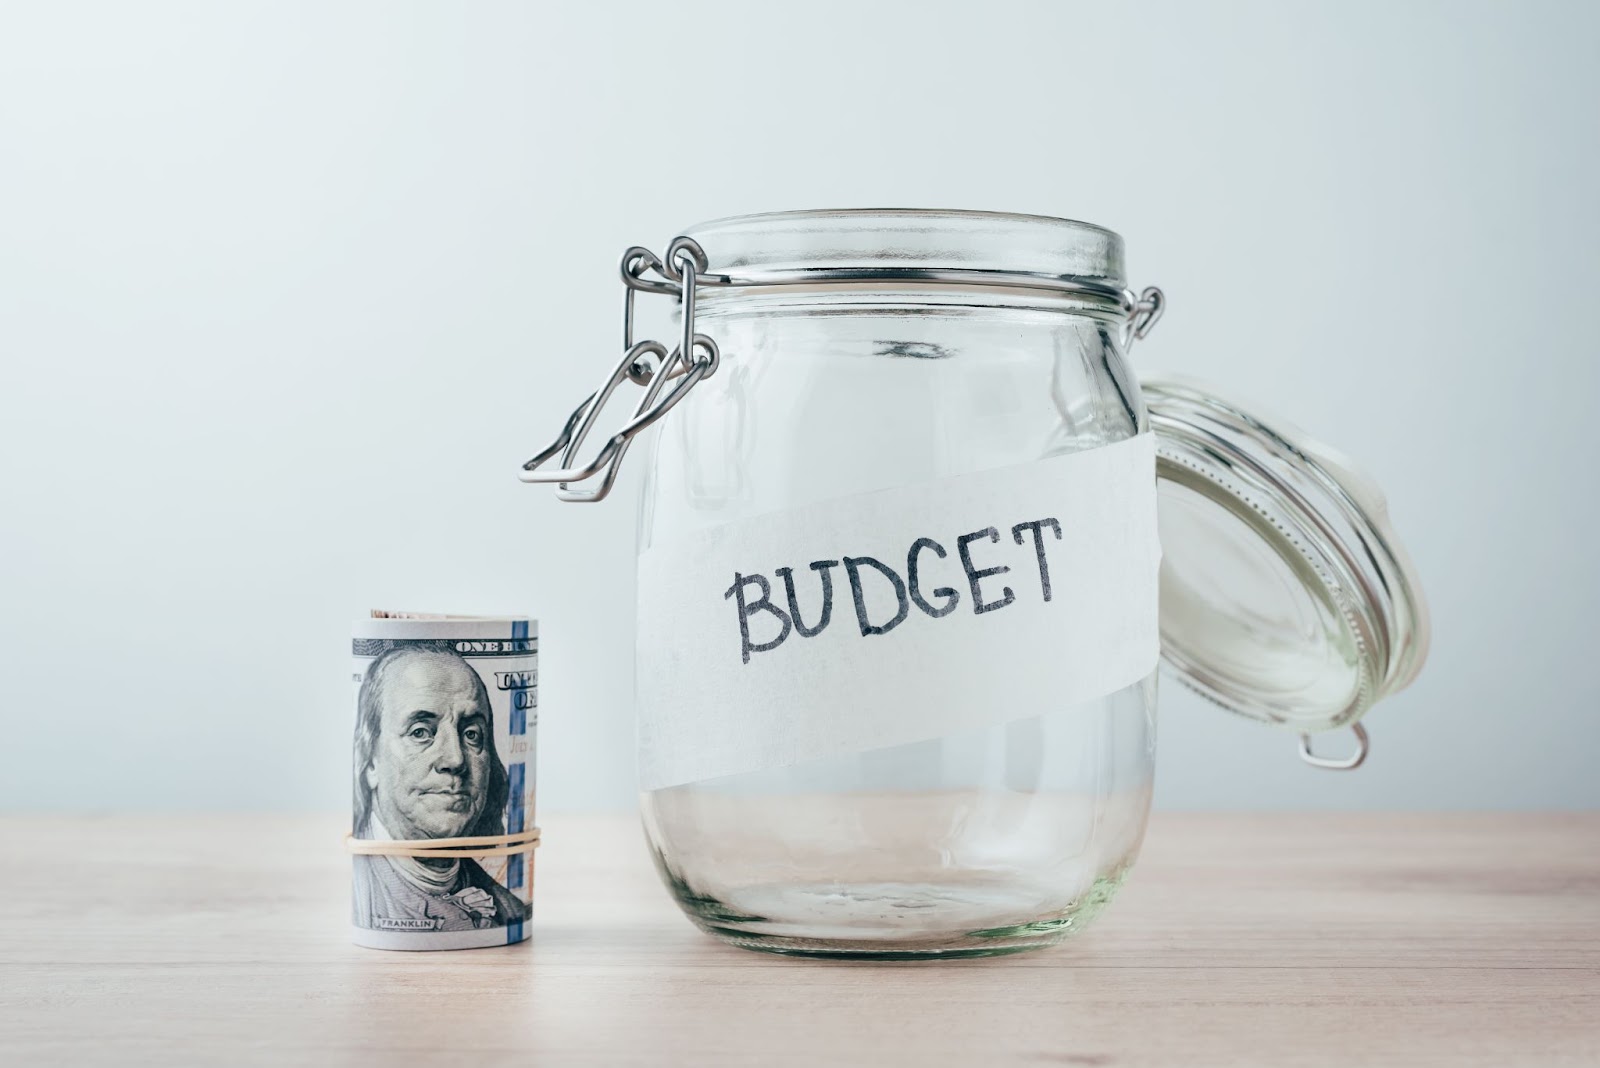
{"points": [[870, 951], [893, 921]]}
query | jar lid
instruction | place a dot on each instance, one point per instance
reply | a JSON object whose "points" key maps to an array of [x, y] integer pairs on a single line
{"points": [[1285, 594]]}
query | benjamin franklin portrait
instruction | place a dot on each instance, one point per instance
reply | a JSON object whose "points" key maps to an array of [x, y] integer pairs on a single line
{"points": [[426, 767]]}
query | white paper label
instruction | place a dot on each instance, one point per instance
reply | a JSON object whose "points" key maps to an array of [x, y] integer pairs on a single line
{"points": [[949, 605]]}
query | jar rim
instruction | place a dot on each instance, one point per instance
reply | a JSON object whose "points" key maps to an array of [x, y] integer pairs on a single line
{"points": [[917, 244], [924, 213]]}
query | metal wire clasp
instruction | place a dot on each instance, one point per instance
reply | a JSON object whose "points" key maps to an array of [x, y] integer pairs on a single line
{"points": [[1143, 311], [695, 358], [1349, 763]]}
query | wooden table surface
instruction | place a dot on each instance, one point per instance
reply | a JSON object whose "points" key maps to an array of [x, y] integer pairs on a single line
{"points": [[1240, 940]]}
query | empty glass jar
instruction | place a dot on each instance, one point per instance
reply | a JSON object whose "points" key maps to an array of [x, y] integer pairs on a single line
{"points": [[830, 361]]}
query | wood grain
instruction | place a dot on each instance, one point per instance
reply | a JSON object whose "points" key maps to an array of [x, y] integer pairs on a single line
{"points": [[1241, 940]]}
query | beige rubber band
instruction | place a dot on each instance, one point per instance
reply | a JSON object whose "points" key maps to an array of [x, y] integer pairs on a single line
{"points": [[486, 845]]}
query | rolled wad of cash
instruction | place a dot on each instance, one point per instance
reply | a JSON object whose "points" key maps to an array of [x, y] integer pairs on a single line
{"points": [[442, 827]]}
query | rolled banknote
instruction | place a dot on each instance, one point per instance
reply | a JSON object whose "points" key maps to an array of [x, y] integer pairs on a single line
{"points": [[442, 827]]}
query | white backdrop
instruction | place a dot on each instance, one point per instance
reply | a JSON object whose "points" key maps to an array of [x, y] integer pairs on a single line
{"points": [[287, 292]]}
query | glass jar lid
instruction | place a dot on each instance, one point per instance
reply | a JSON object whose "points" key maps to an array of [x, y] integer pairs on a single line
{"points": [[1285, 594]]}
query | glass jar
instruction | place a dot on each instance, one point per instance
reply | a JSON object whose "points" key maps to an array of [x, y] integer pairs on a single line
{"points": [[848, 368]]}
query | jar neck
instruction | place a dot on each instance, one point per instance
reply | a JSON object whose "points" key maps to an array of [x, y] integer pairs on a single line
{"points": [[902, 298]]}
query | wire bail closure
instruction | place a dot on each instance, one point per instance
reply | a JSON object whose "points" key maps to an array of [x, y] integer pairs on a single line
{"points": [[644, 363], [680, 274], [1144, 312], [1349, 763]]}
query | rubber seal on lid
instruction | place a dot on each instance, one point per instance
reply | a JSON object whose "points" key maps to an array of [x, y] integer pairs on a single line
{"points": [[1285, 594]]}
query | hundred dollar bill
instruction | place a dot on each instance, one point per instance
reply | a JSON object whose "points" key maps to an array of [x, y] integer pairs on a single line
{"points": [[445, 714]]}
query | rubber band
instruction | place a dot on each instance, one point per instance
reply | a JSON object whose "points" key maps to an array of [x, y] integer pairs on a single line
{"points": [[485, 845]]}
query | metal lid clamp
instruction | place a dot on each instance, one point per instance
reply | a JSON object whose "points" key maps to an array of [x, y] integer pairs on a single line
{"points": [[695, 358]]}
